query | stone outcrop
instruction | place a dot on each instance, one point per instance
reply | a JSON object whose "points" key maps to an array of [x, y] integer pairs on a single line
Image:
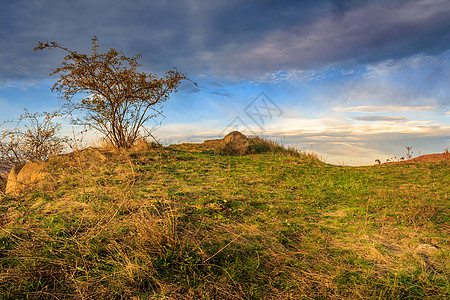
{"points": [[23, 177], [235, 143]]}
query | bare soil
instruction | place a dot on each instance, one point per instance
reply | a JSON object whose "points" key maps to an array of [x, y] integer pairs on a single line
{"points": [[431, 157]]}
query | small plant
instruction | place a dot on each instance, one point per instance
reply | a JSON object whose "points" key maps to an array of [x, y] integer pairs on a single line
{"points": [[378, 161], [409, 152], [33, 137]]}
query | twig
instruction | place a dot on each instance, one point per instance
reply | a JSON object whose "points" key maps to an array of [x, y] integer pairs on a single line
{"points": [[222, 248], [19, 238]]}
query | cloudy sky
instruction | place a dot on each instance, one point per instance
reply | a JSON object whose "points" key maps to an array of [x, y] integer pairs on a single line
{"points": [[353, 81]]}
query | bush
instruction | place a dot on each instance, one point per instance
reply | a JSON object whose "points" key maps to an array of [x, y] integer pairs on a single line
{"points": [[34, 137], [260, 145], [117, 98]]}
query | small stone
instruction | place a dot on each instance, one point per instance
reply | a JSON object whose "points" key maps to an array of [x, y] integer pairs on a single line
{"points": [[426, 249]]}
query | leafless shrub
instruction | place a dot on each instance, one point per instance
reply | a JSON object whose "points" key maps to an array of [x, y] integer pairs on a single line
{"points": [[32, 137], [118, 98], [409, 152]]}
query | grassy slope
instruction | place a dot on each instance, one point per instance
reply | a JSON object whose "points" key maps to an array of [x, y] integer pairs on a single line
{"points": [[186, 223]]}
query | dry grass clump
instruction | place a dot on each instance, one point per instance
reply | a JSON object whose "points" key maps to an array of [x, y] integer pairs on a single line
{"points": [[141, 144], [260, 145]]}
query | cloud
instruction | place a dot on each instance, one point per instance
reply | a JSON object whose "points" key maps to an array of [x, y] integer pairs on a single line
{"points": [[336, 140], [226, 38], [377, 109], [338, 127], [417, 83], [373, 32], [379, 119], [190, 89], [222, 93], [360, 143]]}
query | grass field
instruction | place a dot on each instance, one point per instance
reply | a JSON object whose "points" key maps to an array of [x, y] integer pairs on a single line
{"points": [[186, 222]]}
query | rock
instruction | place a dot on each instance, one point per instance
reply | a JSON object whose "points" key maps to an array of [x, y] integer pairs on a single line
{"points": [[92, 152], [235, 143], [22, 177], [3, 179], [215, 206], [426, 249], [12, 179]]}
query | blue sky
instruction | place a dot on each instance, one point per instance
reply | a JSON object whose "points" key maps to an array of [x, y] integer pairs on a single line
{"points": [[353, 81]]}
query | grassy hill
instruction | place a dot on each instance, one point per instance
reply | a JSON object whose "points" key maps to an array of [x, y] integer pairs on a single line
{"points": [[186, 222]]}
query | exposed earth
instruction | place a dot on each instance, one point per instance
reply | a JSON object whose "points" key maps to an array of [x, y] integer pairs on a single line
{"points": [[431, 157]]}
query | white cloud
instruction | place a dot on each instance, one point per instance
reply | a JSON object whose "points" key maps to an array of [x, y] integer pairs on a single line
{"points": [[318, 127], [337, 141], [379, 119], [378, 109]]}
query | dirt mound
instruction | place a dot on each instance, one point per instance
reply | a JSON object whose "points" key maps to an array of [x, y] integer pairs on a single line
{"points": [[431, 157]]}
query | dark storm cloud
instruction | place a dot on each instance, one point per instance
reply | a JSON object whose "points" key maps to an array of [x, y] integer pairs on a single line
{"points": [[233, 38], [362, 35]]}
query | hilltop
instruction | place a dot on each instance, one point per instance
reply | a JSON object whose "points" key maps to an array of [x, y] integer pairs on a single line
{"points": [[445, 156], [188, 222]]}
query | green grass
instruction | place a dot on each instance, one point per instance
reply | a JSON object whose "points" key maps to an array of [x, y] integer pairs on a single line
{"points": [[185, 222]]}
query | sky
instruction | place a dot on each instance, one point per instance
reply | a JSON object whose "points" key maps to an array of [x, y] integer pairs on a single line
{"points": [[352, 81]]}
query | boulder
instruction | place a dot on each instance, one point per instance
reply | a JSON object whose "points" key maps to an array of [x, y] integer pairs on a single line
{"points": [[235, 143], [11, 182], [22, 177]]}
